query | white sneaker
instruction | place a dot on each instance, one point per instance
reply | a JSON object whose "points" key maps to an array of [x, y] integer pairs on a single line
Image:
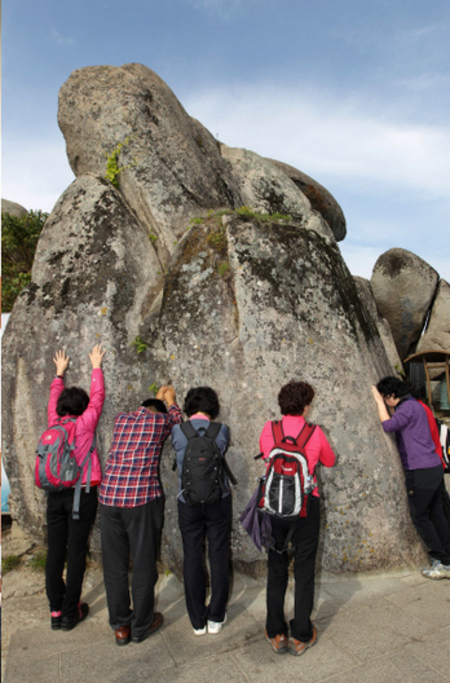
{"points": [[437, 571], [215, 627], [200, 631]]}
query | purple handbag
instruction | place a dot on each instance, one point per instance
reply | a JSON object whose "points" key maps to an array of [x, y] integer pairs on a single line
{"points": [[256, 522]]}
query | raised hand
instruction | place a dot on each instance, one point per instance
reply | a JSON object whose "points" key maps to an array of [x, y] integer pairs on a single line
{"points": [[61, 360], [97, 356]]}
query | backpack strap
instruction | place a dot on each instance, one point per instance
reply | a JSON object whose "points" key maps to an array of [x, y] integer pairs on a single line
{"points": [[302, 438], [188, 430], [305, 434], [77, 491], [277, 431], [213, 429]]}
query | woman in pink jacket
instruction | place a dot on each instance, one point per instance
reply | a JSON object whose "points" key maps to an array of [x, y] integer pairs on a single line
{"points": [[295, 400], [68, 537]]}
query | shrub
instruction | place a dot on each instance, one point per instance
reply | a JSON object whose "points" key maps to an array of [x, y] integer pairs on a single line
{"points": [[19, 240]]}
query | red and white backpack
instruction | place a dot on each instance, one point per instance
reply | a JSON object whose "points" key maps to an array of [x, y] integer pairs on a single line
{"points": [[288, 484]]}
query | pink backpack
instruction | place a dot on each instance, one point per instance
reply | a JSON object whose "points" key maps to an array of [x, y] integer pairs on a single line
{"points": [[56, 468]]}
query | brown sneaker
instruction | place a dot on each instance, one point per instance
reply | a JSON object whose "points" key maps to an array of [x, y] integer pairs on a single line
{"points": [[279, 643], [297, 648]]}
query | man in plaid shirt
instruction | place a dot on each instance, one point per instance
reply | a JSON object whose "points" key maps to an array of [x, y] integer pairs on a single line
{"points": [[132, 509]]}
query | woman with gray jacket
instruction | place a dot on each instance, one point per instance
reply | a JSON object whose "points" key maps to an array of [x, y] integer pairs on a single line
{"points": [[200, 521]]}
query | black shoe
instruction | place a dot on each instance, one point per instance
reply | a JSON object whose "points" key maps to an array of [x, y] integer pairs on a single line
{"points": [[68, 624], [154, 626], [56, 623]]}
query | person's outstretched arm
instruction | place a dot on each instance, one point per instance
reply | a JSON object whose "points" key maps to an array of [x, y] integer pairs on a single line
{"points": [[61, 361]]}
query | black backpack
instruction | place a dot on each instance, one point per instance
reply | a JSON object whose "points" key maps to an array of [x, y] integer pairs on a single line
{"points": [[204, 467]]}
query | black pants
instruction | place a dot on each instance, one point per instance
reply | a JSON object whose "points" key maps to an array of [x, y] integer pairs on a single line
{"points": [[305, 541], [67, 537], [426, 505], [134, 531], [212, 522]]}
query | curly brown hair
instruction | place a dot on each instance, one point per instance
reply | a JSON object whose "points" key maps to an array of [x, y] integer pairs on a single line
{"points": [[294, 397]]}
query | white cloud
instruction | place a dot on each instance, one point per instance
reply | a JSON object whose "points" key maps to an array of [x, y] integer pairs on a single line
{"points": [[36, 172], [322, 134]]}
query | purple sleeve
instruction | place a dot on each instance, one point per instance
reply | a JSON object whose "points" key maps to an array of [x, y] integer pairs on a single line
{"points": [[398, 421]]}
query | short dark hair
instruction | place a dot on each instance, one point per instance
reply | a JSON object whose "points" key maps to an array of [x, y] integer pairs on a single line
{"points": [[294, 396], [155, 405], [72, 401], [202, 399], [394, 386]]}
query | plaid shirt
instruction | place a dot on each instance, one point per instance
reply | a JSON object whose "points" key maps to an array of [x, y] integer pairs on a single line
{"points": [[131, 475]]}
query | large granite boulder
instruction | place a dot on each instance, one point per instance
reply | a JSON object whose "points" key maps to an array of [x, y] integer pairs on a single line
{"points": [[93, 277], [403, 286], [242, 301]]}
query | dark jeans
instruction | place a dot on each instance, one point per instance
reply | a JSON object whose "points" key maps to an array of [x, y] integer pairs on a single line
{"points": [[305, 541], [426, 505], [134, 531], [212, 522], [67, 536]]}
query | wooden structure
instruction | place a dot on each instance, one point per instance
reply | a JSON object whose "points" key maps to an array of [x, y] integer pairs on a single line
{"points": [[432, 361]]}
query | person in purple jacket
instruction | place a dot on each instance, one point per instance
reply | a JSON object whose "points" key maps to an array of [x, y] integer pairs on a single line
{"points": [[423, 469]]}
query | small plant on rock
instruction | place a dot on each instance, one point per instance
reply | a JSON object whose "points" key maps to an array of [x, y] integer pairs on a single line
{"points": [[139, 344], [112, 163], [152, 236], [153, 388]]}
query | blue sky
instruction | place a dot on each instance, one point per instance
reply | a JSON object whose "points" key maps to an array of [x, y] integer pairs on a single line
{"points": [[355, 93]]}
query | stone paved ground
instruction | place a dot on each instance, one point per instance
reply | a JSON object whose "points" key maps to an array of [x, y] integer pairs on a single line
{"points": [[371, 629]]}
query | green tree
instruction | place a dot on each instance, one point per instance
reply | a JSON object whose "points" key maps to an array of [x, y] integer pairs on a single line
{"points": [[19, 240]]}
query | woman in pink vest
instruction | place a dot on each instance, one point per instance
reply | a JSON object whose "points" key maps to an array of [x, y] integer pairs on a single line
{"points": [[299, 634]]}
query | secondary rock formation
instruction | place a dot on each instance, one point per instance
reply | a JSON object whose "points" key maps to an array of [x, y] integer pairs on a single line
{"points": [[237, 298], [14, 209], [403, 286]]}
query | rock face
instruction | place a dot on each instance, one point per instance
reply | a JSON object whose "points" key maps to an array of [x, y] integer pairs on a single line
{"points": [[321, 200], [263, 186], [237, 300], [403, 286], [366, 295], [14, 209], [248, 306], [92, 280], [437, 334]]}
